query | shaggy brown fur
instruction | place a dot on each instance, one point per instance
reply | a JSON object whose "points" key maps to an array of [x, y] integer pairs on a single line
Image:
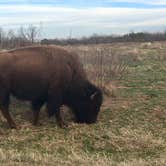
{"points": [[51, 75]]}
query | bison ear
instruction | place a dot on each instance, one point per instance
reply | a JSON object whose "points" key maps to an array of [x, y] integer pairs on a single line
{"points": [[92, 97]]}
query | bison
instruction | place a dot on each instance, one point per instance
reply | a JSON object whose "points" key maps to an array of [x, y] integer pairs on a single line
{"points": [[47, 75]]}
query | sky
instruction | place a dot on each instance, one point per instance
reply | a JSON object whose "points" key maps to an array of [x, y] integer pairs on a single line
{"points": [[78, 18]]}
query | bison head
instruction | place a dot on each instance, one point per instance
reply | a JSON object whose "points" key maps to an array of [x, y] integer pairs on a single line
{"points": [[85, 100]]}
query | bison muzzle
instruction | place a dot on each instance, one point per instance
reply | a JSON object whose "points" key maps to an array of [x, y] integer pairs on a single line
{"points": [[47, 75]]}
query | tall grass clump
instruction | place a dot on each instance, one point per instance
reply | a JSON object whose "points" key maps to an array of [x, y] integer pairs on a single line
{"points": [[102, 64]]}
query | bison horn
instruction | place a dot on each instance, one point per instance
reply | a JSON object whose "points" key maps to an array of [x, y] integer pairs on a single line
{"points": [[93, 95]]}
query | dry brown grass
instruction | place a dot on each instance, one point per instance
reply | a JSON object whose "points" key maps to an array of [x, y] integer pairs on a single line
{"points": [[131, 129]]}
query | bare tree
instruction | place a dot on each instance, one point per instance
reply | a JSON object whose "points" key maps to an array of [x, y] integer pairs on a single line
{"points": [[11, 42], [32, 32], [22, 33], [1, 37], [22, 37]]}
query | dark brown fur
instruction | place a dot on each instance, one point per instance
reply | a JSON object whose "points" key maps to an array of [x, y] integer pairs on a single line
{"points": [[51, 75]]}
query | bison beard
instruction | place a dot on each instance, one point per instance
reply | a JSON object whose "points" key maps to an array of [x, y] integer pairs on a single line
{"points": [[51, 75]]}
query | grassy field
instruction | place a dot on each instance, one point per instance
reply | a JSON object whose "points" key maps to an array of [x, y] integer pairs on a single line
{"points": [[131, 129]]}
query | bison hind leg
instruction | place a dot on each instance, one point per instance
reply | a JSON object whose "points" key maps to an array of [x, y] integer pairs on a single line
{"points": [[4, 107]]}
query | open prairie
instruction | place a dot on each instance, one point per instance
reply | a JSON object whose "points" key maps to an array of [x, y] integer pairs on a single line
{"points": [[131, 128]]}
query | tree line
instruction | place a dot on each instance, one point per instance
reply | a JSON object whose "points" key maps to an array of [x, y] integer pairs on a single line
{"points": [[29, 35], [98, 39]]}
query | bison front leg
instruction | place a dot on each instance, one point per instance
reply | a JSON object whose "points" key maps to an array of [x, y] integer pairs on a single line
{"points": [[35, 117], [53, 107], [59, 118]]}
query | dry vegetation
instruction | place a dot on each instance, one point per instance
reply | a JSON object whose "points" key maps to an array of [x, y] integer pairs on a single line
{"points": [[131, 129], [103, 65]]}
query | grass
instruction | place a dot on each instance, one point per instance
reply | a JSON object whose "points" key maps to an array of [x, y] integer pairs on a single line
{"points": [[131, 128]]}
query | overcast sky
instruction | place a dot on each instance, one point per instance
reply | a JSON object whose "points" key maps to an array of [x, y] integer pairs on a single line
{"points": [[61, 18]]}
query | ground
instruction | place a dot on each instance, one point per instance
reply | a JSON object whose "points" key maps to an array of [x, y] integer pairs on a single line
{"points": [[131, 128]]}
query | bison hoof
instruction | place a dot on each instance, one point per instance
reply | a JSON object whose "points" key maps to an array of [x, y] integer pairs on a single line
{"points": [[14, 127], [63, 125], [37, 124]]}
